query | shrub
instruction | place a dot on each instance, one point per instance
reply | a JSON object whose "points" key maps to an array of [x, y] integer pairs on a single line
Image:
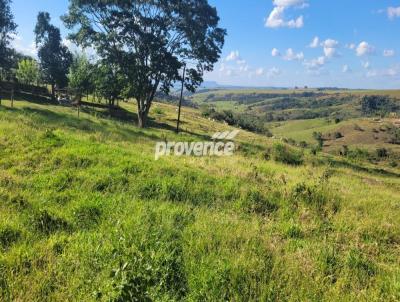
{"points": [[318, 137], [287, 155], [338, 135], [382, 152]]}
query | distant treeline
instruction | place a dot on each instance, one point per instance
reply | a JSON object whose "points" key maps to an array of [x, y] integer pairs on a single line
{"points": [[174, 99], [379, 105], [241, 120], [251, 98]]}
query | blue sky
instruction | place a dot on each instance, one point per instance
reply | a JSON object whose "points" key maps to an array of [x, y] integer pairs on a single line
{"points": [[269, 42]]}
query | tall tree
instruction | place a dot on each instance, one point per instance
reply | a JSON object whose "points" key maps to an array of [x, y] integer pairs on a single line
{"points": [[55, 58], [109, 83], [150, 41], [81, 75], [28, 72], [7, 29]]}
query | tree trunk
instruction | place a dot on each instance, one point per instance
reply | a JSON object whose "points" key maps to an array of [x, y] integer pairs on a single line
{"points": [[53, 93], [142, 119]]}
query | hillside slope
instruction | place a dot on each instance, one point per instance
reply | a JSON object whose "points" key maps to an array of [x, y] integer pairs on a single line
{"points": [[88, 214]]}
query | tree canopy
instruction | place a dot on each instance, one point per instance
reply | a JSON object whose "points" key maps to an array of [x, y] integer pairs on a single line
{"points": [[7, 28], [28, 72], [150, 41], [55, 58], [81, 74]]}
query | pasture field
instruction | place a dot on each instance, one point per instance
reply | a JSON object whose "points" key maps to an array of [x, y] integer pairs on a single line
{"points": [[87, 214]]}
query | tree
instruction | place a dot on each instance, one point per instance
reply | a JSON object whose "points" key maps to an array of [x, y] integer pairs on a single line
{"points": [[7, 29], [28, 72], [150, 41], [80, 75], [109, 83], [55, 58]]}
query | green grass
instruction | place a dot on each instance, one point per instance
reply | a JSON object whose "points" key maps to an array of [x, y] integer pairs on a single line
{"points": [[87, 214], [302, 130]]}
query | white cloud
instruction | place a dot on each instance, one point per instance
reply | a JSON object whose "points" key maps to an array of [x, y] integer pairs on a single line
{"points": [[364, 49], [276, 18], [233, 56], [288, 3], [390, 72], [260, 71], [19, 45], [389, 53], [393, 12], [275, 52], [330, 47], [314, 43], [273, 72], [315, 63], [291, 55], [346, 69]]}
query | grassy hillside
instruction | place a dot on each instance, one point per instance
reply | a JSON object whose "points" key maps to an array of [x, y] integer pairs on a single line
{"points": [[88, 214]]}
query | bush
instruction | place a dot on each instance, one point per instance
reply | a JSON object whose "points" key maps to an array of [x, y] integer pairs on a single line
{"points": [[287, 155], [382, 152], [338, 135]]}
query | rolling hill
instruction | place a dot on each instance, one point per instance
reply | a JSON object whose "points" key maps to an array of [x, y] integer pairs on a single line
{"points": [[88, 214]]}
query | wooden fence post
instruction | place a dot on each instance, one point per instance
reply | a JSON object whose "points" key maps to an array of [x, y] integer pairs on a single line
{"points": [[12, 97]]}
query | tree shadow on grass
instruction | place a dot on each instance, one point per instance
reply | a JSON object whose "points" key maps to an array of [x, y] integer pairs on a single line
{"points": [[54, 119], [123, 115], [360, 168]]}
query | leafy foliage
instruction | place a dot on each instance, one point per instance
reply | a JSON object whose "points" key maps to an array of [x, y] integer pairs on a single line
{"points": [[7, 29], [28, 72], [55, 58], [80, 76], [150, 41], [377, 104]]}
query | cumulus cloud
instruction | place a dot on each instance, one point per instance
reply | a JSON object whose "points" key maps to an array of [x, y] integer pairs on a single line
{"points": [[233, 56], [277, 19], [393, 12], [291, 55], [316, 63], [364, 49], [389, 53], [330, 47], [314, 43], [275, 52]]}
